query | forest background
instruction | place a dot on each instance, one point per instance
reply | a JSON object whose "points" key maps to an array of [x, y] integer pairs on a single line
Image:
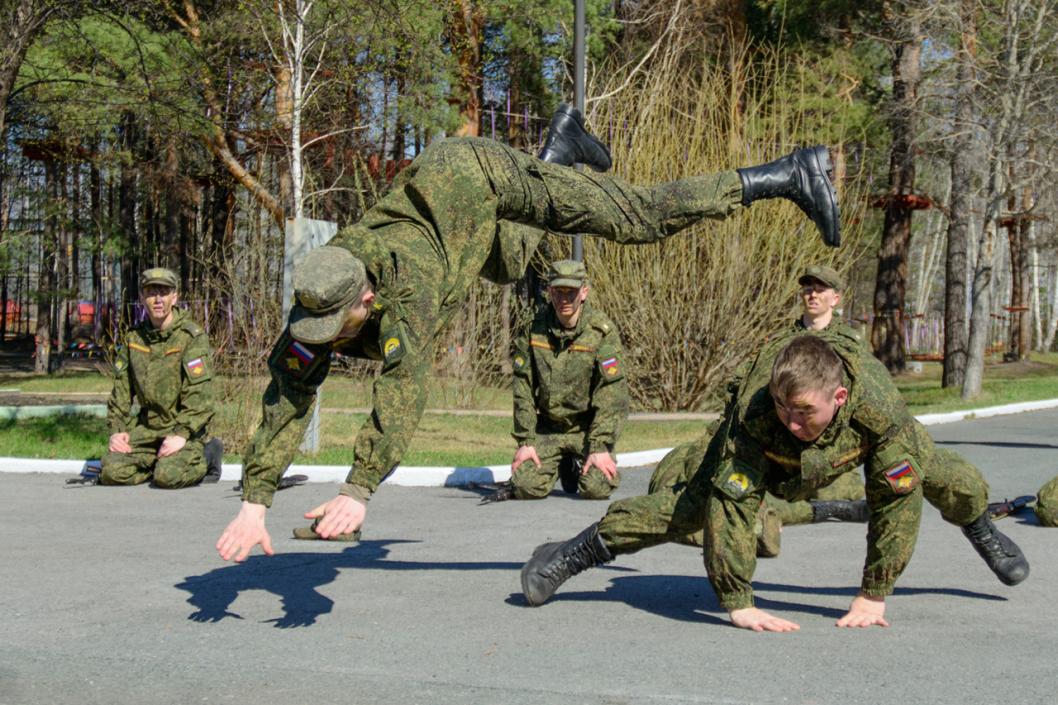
{"points": [[184, 133]]}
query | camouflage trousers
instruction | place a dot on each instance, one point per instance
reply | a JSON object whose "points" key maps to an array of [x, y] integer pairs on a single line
{"points": [[184, 468], [560, 451], [676, 512], [1047, 503]]}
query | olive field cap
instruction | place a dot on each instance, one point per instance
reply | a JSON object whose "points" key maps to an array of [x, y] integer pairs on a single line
{"points": [[326, 282], [159, 275], [567, 272], [823, 273]]}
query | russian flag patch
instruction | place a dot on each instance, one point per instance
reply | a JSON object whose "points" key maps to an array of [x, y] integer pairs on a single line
{"points": [[301, 352], [902, 477], [609, 366]]}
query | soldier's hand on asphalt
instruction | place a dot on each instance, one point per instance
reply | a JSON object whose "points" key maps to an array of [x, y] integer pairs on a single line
{"points": [[865, 611], [760, 621], [341, 515], [171, 444], [522, 454], [604, 461], [119, 443], [244, 532]]}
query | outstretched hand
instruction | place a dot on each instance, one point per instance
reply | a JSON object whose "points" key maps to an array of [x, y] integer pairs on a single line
{"points": [[760, 621], [865, 611], [340, 515], [244, 532]]}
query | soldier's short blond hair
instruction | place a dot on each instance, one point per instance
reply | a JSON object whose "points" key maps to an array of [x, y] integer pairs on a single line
{"points": [[806, 364]]}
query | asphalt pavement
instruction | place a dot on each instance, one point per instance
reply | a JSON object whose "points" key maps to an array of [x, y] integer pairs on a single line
{"points": [[115, 595]]}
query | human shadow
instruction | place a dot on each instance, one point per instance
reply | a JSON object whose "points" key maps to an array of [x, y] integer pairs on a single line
{"points": [[995, 444], [296, 577], [687, 598]]}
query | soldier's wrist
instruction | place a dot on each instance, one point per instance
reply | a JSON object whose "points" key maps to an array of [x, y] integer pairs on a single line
{"points": [[358, 492], [736, 601], [257, 495]]}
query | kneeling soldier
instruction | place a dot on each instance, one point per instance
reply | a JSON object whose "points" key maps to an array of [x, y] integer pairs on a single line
{"points": [[165, 366], [570, 395]]}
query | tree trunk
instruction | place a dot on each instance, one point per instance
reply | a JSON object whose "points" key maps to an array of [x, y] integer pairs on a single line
{"points": [[887, 335], [466, 34], [20, 21], [962, 172], [46, 275]]}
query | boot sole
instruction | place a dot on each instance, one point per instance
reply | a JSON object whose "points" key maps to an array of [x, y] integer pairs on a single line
{"points": [[820, 159]]}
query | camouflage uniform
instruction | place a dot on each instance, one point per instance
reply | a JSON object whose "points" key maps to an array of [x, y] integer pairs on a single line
{"points": [[465, 207], [774, 513], [1047, 503], [168, 372], [752, 452], [570, 399]]}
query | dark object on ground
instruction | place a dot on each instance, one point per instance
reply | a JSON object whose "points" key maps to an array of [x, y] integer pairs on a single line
{"points": [[569, 473], [214, 453], [501, 492], [308, 533], [284, 482], [89, 476], [840, 510], [998, 510]]}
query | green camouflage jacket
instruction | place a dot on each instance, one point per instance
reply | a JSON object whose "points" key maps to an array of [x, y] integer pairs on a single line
{"points": [[421, 282], [873, 428], [569, 380], [168, 372]]}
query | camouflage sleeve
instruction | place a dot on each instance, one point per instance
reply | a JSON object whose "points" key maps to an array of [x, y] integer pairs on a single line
{"points": [[196, 388], [609, 395], [398, 401], [731, 512], [894, 495], [297, 371], [120, 403], [522, 389]]}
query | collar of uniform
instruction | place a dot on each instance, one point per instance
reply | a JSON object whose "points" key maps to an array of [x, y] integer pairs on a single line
{"points": [[153, 335]]}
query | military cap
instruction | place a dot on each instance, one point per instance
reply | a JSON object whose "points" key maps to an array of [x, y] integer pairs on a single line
{"points": [[159, 275], [823, 273], [326, 282], [567, 272]]}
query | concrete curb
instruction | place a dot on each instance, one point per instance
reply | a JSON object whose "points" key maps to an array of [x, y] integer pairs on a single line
{"points": [[460, 476]]}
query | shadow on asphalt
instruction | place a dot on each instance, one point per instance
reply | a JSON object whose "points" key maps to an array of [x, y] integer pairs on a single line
{"points": [[691, 599], [995, 444], [295, 577]]}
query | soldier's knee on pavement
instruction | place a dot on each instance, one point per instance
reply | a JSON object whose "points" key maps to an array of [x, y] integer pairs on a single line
{"points": [[115, 472]]}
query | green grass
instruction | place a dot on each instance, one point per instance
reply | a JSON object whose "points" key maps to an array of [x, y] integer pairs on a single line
{"points": [[1003, 384]]}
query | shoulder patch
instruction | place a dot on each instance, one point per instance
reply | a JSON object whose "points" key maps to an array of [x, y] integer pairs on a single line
{"points": [[518, 362], [737, 479], [393, 344], [610, 366], [120, 365], [902, 477]]}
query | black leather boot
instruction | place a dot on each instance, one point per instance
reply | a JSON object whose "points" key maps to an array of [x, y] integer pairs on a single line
{"points": [[841, 510], [554, 563], [214, 454], [1000, 553], [804, 178], [569, 142]]}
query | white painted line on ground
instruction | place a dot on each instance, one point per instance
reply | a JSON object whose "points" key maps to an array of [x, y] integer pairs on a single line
{"points": [[459, 476]]}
